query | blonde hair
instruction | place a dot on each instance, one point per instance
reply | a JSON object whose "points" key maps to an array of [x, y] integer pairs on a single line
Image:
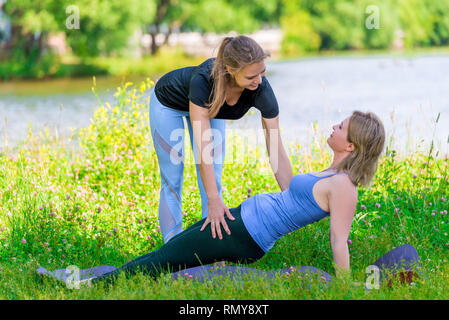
{"points": [[237, 53], [366, 132]]}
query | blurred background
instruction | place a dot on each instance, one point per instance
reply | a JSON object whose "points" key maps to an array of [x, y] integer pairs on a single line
{"points": [[328, 57]]}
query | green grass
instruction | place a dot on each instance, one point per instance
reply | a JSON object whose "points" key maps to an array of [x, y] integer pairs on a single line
{"points": [[97, 204]]}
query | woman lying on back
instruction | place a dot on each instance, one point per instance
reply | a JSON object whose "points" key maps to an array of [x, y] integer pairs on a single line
{"points": [[261, 220]]}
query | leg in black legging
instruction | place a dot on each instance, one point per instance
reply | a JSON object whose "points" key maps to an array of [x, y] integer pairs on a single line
{"points": [[193, 247]]}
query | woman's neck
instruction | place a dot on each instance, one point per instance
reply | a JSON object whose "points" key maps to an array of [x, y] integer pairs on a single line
{"points": [[338, 158], [233, 87]]}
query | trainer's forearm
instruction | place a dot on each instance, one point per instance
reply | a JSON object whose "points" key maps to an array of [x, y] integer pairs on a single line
{"points": [[283, 169]]}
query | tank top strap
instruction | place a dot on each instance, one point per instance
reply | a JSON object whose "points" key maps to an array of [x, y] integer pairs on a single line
{"points": [[332, 174]]}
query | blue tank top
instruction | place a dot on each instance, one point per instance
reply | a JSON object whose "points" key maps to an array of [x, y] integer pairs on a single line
{"points": [[269, 216]]}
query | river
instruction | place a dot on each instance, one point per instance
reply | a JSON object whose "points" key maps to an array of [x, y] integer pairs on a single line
{"points": [[408, 93]]}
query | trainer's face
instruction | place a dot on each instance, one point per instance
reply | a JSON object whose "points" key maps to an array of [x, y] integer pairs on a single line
{"points": [[338, 140], [250, 77]]}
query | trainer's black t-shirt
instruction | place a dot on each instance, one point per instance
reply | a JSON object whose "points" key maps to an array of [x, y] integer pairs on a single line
{"points": [[176, 88]]}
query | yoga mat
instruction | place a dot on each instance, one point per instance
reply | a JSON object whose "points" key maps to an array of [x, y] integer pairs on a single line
{"points": [[403, 258]]}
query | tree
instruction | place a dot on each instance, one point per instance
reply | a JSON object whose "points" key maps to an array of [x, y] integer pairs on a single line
{"points": [[30, 25], [218, 16], [107, 25]]}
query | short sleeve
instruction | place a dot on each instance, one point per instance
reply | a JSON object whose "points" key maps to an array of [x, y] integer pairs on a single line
{"points": [[266, 101], [199, 90]]}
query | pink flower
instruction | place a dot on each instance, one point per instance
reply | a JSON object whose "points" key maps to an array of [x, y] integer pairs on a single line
{"points": [[349, 241], [377, 205], [24, 241], [363, 207]]}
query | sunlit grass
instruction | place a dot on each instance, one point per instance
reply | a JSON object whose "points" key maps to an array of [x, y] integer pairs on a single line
{"points": [[97, 204]]}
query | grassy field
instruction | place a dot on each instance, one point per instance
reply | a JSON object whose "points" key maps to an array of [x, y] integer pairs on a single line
{"points": [[97, 204]]}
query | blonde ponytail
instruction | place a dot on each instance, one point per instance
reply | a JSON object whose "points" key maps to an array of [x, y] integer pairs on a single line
{"points": [[236, 53]]}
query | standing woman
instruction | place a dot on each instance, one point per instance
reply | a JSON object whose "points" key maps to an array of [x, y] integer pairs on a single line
{"points": [[220, 88]]}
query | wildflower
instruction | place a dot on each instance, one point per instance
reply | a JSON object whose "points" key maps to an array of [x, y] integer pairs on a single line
{"points": [[99, 209], [443, 199], [24, 241], [349, 241], [148, 237], [363, 207], [140, 221], [114, 230], [249, 190], [52, 214], [68, 197], [377, 205]]}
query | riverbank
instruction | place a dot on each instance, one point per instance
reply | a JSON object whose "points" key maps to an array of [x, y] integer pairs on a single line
{"points": [[74, 67], [167, 59]]}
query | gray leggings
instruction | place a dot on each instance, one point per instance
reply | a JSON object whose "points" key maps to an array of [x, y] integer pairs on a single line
{"points": [[192, 248]]}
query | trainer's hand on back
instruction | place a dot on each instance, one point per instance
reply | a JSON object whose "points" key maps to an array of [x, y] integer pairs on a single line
{"points": [[216, 211]]}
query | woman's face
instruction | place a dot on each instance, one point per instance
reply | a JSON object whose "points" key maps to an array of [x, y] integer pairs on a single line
{"points": [[250, 77], [338, 138]]}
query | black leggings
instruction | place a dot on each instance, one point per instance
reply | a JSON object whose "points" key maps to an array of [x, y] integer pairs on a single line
{"points": [[193, 247]]}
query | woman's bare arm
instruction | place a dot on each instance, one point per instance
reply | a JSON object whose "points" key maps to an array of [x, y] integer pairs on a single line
{"points": [[216, 208], [342, 205], [279, 161]]}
